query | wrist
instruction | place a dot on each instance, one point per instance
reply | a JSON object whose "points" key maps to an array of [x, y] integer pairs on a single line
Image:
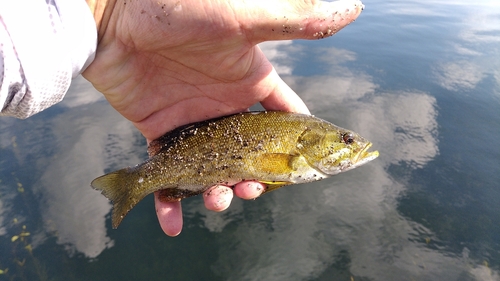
{"points": [[101, 10]]}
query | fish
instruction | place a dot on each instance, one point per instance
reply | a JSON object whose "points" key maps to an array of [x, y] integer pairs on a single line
{"points": [[272, 147]]}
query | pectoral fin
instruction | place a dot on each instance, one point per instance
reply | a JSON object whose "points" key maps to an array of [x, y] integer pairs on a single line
{"points": [[273, 185], [276, 163]]}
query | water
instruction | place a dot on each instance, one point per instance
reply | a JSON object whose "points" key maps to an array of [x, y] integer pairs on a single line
{"points": [[420, 79]]}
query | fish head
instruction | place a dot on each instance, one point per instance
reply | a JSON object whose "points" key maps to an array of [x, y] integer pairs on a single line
{"points": [[335, 151]]}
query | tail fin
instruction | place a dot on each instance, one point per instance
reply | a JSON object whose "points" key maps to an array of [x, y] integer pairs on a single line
{"points": [[118, 187]]}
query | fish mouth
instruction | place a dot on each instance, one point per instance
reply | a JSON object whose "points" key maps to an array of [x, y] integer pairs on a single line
{"points": [[364, 155]]}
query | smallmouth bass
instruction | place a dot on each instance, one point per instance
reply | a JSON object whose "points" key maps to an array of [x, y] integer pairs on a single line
{"points": [[272, 147]]}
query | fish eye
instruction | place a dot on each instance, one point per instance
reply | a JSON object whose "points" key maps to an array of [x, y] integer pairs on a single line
{"points": [[348, 138]]}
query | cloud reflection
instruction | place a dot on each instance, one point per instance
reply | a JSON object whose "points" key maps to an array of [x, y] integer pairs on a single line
{"points": [[68, 207], [71, 210], [463, 75], [66, 148], [80, 94], [476, 58], [273, 53], [481, 24], [472, 29]]}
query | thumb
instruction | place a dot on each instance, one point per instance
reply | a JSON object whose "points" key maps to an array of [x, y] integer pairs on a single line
{"points": [[300, 19]]}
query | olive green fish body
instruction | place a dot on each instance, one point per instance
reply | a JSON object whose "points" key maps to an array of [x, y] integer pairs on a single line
{"points": [[275, 148]]}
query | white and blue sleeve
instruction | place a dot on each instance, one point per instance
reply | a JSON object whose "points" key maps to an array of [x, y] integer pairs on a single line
{"points": [[43, 45]]}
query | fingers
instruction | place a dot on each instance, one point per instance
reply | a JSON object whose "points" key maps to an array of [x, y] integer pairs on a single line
{"points": [[249, 189], [300, 19], [218, 198], [169, 215]]}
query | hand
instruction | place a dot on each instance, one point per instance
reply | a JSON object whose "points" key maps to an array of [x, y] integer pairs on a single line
{"points": [[163, 64]]}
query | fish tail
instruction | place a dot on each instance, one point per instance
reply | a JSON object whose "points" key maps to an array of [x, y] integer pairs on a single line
{"points": [[118, 187]]}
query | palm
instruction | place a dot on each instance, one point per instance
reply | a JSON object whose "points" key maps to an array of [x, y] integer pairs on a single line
{"points": [[180, 72], [165, 65]]}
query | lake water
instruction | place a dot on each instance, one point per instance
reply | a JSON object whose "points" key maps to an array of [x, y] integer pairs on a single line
{"points": [[420, 79]]}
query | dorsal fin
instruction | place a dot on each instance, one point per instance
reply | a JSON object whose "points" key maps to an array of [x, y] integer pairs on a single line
{"points": [[178, 133], [168, 139]]}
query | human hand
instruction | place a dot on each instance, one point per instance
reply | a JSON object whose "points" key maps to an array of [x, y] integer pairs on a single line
{"points": [[163, 64]]}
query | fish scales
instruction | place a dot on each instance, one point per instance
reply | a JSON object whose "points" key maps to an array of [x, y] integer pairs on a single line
{"points": [[275, 148], [226, 148]]}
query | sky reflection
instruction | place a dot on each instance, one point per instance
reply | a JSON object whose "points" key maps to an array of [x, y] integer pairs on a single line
{"points": [[74, 152], [69, 207], [353, 217]]}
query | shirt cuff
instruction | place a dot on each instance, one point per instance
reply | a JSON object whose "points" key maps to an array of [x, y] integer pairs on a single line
{"points": [[40, 56]]}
